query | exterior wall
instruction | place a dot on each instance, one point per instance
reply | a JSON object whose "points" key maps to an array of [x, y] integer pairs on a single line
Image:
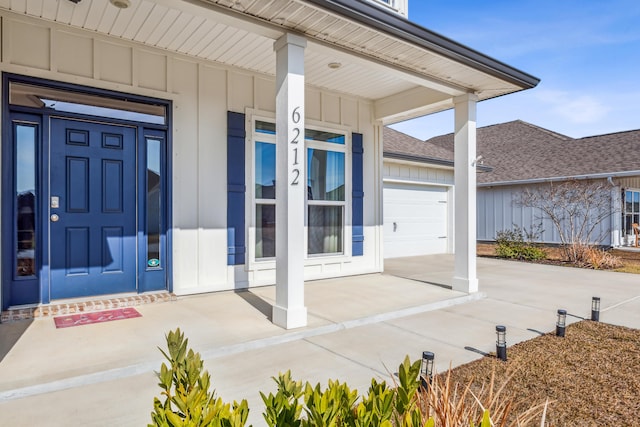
{"points": [[496, 212], [398, 6], [202, 93], [631, 182], [398, 171], [403, 172]]}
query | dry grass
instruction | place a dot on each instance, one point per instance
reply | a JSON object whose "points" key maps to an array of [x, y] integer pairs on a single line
{"points": [[629, 268], [451, 405], [590, 377]]}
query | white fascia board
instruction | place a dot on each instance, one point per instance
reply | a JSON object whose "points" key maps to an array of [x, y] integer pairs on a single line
{"points": [[418, 163]]}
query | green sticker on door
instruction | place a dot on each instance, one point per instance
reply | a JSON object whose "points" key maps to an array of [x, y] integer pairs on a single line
{"points": [[153, 262]]}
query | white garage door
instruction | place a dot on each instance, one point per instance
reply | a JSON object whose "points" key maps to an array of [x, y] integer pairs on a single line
{"points": [[415, 220]]}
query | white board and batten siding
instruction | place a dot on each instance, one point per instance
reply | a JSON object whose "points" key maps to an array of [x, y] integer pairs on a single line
{"points": [[202, 92], [417, 210]]}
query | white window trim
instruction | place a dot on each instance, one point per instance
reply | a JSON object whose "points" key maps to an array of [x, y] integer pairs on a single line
{"points": [[251, 116], [398, 6], [625, 213]]}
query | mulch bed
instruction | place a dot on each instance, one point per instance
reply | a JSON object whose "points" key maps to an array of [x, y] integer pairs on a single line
{"points": [[555, 257], [591, 377]]}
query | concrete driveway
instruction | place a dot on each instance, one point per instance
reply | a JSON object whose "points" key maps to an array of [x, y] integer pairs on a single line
{"points": [[359, 327]]}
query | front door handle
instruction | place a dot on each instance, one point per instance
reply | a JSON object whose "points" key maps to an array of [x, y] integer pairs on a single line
{"points": [[54, 218]]}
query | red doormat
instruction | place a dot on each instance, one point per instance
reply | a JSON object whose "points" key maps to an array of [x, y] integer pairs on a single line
{"points": [[96, 317]]}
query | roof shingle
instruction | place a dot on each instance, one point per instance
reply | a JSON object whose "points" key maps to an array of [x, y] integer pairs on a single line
{"points": [[518, 151]]}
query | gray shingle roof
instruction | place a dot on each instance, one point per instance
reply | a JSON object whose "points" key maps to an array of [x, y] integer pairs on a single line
{"points": [[402, 146], [520, 151]]}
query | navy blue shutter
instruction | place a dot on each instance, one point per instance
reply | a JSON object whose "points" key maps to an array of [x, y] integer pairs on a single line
{"points": [[357, 197], [235, 188]]}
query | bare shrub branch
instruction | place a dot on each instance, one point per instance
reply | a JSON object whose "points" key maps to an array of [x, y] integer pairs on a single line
{"points": [[575, 208]]}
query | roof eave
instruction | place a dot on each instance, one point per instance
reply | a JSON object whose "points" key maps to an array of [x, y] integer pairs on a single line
{"points": [[603, 175], [428, 160], [398, 26]]}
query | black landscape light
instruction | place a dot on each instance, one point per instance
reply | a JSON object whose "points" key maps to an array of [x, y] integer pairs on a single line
{"points": [[561, 323], [595, 309], [426, 369], [501, 342]]}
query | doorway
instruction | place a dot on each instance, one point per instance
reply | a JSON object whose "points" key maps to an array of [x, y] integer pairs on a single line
{"points": [[85, 193]]}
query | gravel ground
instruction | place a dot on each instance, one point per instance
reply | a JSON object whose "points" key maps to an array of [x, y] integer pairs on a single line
{"points": [[591, 377]]}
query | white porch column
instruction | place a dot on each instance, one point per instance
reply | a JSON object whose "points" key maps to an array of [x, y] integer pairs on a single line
{"points": [[289, 310], [464, 278]]}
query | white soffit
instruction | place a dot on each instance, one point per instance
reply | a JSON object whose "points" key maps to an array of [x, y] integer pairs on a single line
{"points": [[240, 33]]}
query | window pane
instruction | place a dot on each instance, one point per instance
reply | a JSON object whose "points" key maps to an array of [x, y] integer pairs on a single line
{"points": [[265, 231], [317, 135], [26, 199], [76, 102], [636, 202], [325, 179], [154, 213], [265, 127], [265, 170], [325, 229]]}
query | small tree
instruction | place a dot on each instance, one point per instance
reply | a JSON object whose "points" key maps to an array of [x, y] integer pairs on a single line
{"points": [[575, 208]]}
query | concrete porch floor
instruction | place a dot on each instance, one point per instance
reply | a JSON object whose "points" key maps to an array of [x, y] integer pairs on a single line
{"points": [[359, 327]]}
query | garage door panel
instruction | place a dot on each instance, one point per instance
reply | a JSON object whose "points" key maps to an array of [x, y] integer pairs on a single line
{"points": [[415, 220]]}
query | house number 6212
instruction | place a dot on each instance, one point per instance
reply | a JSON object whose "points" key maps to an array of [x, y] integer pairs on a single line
{"points": [[295, 172]]}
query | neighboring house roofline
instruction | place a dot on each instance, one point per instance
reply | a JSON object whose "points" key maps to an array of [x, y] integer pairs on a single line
{"points": [[530, 125], [398, 26], [540, 129], [602, 175], [520, 152], [584, 138]]}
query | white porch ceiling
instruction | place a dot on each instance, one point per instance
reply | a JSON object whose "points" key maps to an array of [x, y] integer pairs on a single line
{"points": [[240, 33]]}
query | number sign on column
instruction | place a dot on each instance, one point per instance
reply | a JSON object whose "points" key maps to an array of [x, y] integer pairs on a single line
{"points": [[295, 171]]}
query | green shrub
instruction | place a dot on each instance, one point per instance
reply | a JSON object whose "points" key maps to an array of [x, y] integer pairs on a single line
{"points": [[188, 401], [338, 405], [283, 408], [512, 244], [185, 387]]}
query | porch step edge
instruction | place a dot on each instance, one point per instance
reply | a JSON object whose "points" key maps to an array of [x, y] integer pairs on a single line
{"points": [[52, 310]]}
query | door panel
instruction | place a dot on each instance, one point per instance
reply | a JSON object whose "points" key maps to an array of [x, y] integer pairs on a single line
{"points": [[93, 243]]}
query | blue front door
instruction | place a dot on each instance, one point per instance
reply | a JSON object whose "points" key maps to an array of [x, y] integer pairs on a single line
{"points": [[92, 208]]}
